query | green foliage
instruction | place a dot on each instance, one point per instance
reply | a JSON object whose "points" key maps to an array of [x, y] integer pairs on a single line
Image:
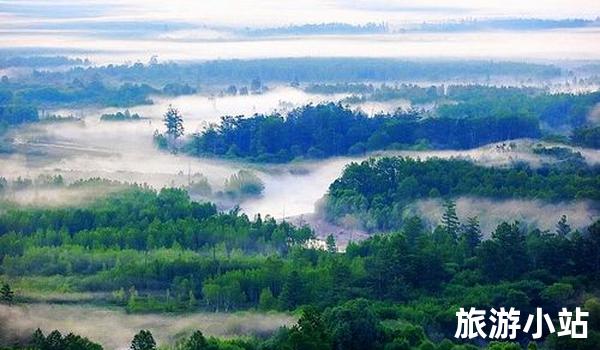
{"points": [[310, 332], [395, 291], [120, 116], [196, 342], [15, 111], [7, 295], [480, 115], [587, 136], [306, 69], [330, 244], [266, 300], [143, 341], [93, 93], [55, 341], [375, 191], [558, 293], [450, 219], [173, 122], [353, 326], [330, 129], [243, 184]]}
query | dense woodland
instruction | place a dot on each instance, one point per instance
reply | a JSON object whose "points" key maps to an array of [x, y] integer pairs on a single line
{"points": [[13, 111], [587, 136], [163, 252], [325, 130], [472, 116], [94, 92], [10, 61], [376, 191], [21, 102], [476, 100], [305, 70]]}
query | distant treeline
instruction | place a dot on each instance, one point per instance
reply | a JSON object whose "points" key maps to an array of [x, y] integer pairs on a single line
{"points": [[317, 29], [561, 109], [40, 61], [362, 92], [447, 26], [120, 116], [19, 102], [376, 191], [506, 24], [304, 70], [325, 130], [93, 93]]}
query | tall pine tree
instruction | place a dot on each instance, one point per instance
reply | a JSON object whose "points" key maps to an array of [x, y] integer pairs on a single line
{"points": [[471, 236], [450, 220]]}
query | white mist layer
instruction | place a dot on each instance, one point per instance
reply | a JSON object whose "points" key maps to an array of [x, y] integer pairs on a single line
{"points": [[124, 151], [115, 329], [491, 213], [561, 44]]}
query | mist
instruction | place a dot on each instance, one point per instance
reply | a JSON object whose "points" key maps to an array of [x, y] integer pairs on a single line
{"points": [[114, 329], [124, 151], [533, 213]]}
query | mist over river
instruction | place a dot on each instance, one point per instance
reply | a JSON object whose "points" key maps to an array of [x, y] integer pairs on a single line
{"points": [[124, 151]]}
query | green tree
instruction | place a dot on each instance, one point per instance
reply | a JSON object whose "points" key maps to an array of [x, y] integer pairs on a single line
{"points": [[471, 236], [292, 294], [6, 294], [310, 332], [505, 256], [143, 341], [54, 341], [37, 339], [450, 220], [244, 183], [174, 122], [330, 244], [192, 302], [266, 300], [413, 229], [353, 325], [196, 341], [562, 227]]}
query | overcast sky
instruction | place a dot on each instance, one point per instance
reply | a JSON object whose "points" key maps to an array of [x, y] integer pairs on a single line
{"points": [[135, 30], [280, 12]]}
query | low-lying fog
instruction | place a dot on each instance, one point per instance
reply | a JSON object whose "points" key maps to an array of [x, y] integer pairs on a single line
{"points": [[491, 213], [124, 151], [114, 329], [574, 44]]}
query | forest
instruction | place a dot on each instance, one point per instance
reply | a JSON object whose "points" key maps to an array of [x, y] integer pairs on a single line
{"points": [[299, 175], [326, 130], [160, 251], [307, 69], [478, 116], [376, 191]]}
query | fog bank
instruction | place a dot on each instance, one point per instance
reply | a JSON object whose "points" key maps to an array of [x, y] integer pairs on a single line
{"points": [[491, 213], [114, 329]]}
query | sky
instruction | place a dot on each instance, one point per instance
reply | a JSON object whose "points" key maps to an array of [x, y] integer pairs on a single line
{"points": [[281, 12], [135, 30]]}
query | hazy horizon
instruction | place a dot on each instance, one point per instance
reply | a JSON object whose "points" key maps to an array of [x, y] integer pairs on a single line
{"points": [[132, 30]]}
